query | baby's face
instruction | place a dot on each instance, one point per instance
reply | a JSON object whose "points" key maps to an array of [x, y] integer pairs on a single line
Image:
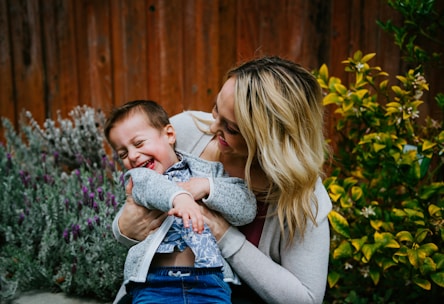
{"points": [[138, 144]]}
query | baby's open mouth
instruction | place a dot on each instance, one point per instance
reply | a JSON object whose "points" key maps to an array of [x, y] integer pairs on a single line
{"points": [[149, 164]]}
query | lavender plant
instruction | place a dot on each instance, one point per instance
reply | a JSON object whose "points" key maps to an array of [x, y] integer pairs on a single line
{"points": [[55, 221]]}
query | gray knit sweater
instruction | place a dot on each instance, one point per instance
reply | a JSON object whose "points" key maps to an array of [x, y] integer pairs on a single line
{"points": [[228, 195]]}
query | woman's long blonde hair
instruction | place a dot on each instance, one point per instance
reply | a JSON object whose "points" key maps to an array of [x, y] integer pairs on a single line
{"points": [[278, 108]]}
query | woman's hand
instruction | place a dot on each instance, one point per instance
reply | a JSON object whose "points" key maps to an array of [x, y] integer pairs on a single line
{"points": [[218, 225], [136, 221], [199, 187]]}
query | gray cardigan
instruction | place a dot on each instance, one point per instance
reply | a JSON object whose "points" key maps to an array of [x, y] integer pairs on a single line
{"points": [[277, 272], [228, 195]]}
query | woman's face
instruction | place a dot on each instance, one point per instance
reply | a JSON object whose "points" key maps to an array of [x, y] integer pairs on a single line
{"points": [[230, 140]]}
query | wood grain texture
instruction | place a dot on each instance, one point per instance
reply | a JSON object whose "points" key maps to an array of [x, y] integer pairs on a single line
{"points": [[56, 54]]}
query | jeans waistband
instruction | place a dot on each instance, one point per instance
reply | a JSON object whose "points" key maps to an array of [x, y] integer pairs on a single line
{"points": [[183, 271]]}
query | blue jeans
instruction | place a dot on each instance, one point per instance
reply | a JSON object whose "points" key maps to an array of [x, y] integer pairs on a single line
{"points": [[182, 285]]}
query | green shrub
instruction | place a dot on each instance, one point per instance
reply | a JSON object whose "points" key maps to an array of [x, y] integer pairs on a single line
{"points": [[387, 189], [60, 193]]}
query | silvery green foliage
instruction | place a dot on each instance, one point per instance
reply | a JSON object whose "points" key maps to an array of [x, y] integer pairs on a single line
{"points": [[74, 140], [59, 195]]}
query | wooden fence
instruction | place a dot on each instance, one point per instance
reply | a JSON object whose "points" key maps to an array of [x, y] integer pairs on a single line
{"points": [[56, 54]]}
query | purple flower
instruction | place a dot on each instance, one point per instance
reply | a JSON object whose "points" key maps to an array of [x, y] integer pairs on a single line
{"points": [[75, 229], [79, 159], [73, 268], [56, 157], [100, 192], [8, 162], [113, 201], [91, 199], [21, 218], [66, 235], [85, 194], [77, 173], [79, 205], [67, 203], [25, 177], [96, 207], [91, 183], [43, 157], [97, 219], [89, 223], [48, 179]]}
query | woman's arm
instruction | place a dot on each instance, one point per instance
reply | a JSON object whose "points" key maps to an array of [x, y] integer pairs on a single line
{"points": [[133, 222], [276, 272]]}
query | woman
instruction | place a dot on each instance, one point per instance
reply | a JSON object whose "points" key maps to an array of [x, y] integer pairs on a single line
{"points": [[267, 128]]}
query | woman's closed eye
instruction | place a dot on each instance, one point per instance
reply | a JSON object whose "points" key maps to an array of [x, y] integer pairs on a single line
{"points": [[230, 130], [226, 125]]}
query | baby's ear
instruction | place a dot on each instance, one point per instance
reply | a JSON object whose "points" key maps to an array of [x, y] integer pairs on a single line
{"points": [[171, 133]]}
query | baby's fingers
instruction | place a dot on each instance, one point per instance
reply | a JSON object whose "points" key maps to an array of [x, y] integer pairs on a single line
{"points": [[198, 223]]}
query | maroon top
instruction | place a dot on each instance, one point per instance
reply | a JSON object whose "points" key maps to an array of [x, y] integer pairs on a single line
{"points": [[253, 230]]}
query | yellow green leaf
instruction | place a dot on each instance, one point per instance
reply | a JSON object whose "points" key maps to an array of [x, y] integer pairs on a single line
{"points": [[356, 193], [423, 283], [335, 197], [416, 257], [404, 236], [377, 147], [331, 98], [427, 145], [339, 223], [358, 243], [367, 251], [368, 57], [438, 278], [344, 250], [421, 234], [341, 89], [323, 72], [374, 275], [376, 224], [434, 210], [333, 278]]}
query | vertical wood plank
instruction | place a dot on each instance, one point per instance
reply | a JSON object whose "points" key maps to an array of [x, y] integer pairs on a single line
{"points": [[93, 53], [248, 40], [171, 60], [7, 105], [153, 66], [83, 12], [59, 57], [227, 43], [99, 47], [201, 50], [134, 14], [340, 37], [27, 59], [117, 54]]}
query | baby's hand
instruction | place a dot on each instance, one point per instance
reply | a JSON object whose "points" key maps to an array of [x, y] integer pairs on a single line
{"points": [[185, 207]]}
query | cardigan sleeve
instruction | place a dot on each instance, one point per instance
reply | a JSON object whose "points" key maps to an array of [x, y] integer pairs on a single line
{"points": [[153, 190], [280, 272]]}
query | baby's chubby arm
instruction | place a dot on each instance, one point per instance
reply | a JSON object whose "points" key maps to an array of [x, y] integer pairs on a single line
{"points": [[228, 195], [153, 191]]}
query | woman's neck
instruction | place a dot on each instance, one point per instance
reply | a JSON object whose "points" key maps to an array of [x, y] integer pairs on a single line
{"points": [[235, 166]]}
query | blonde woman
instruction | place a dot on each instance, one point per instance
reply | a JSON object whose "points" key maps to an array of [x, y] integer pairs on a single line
{"points": [[267, 128]]}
